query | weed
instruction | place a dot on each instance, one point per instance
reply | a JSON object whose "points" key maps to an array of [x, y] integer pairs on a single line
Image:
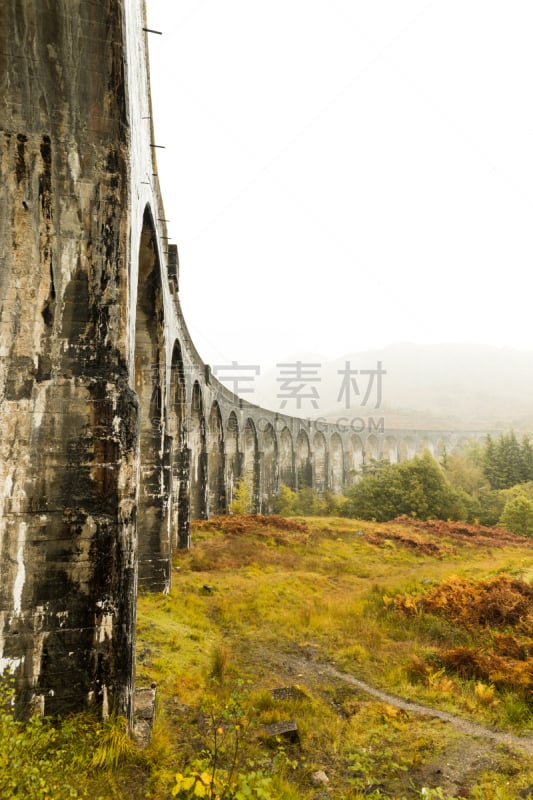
{"points": [[486, 694], [516, 709], [114, 745], [27, 754], [218, 774], [435, 794], [40, 760], [220, 659]]}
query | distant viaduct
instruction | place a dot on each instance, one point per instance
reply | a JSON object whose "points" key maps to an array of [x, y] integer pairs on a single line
{"points": [[113, 432]]}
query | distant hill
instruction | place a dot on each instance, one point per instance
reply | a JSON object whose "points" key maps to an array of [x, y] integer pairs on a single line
{"points": [[462, 386]]}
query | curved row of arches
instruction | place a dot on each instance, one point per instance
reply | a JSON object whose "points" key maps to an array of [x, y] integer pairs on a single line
{"points": [[197, 440]]}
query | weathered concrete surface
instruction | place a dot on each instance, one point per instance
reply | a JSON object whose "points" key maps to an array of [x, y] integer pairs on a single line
{"points": [[113, 432], [68, 417], [144, 715]]}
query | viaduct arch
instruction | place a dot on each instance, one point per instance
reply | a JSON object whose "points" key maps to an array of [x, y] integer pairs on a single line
{"points": [[113, 432]]}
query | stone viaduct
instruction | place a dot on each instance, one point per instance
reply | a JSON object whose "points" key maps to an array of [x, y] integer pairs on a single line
{"points": [[113, 432]]}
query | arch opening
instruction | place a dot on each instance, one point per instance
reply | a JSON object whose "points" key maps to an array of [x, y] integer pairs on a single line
{"points": [[270, 482], [426, 445], [286, 460], [372, 453], [197, 455], [304, 469], [250, 463], [407, 448], [336, 464], [216, 494], [232, 469], [180, 491], [390, 450], [320, 462], [149, 380], [356, 459]]}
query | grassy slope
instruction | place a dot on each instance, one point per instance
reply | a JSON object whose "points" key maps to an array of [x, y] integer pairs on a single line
{"points": [[261, 606]]}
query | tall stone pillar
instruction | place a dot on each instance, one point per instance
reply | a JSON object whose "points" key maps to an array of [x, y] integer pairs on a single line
{"points": [[68, 419]]}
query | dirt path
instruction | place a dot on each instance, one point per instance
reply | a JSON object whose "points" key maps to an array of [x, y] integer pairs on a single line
{"points": [[313, 669], [474, 752], [472, 728]]}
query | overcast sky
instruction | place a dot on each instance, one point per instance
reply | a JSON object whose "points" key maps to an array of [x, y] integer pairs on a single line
{"points": [[344, 174]]}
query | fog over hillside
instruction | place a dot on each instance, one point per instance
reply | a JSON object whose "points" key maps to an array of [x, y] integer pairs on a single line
{"points": [[463, 386]]}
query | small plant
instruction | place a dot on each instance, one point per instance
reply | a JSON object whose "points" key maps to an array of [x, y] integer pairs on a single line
{"points": [[516, 709], [32, 755], [114, 745], [486, 694], [220, 774], [44, 760], [434, 794], [200, 781], [368, 769], [219, 662]]}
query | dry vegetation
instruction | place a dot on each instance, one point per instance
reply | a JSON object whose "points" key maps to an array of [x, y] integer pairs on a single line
{"points": [[437, 613]]}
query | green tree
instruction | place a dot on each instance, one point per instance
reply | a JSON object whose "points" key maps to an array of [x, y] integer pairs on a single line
{"points": [[489, 462], [463, 473], [332, 504], [307, 502], [417, 487], [526, 452], [517, 515], [510, 458], [472, 450], [284, 502], [506, 461], [488, 507]]}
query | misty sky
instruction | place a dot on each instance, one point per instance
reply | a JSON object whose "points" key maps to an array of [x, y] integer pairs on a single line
{"points": [[340, 175]]}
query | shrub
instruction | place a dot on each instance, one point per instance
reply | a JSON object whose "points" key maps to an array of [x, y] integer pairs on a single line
{"points": [[306, 502], [284, 502], [29, 763], [517, 515], [417, 488]]}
